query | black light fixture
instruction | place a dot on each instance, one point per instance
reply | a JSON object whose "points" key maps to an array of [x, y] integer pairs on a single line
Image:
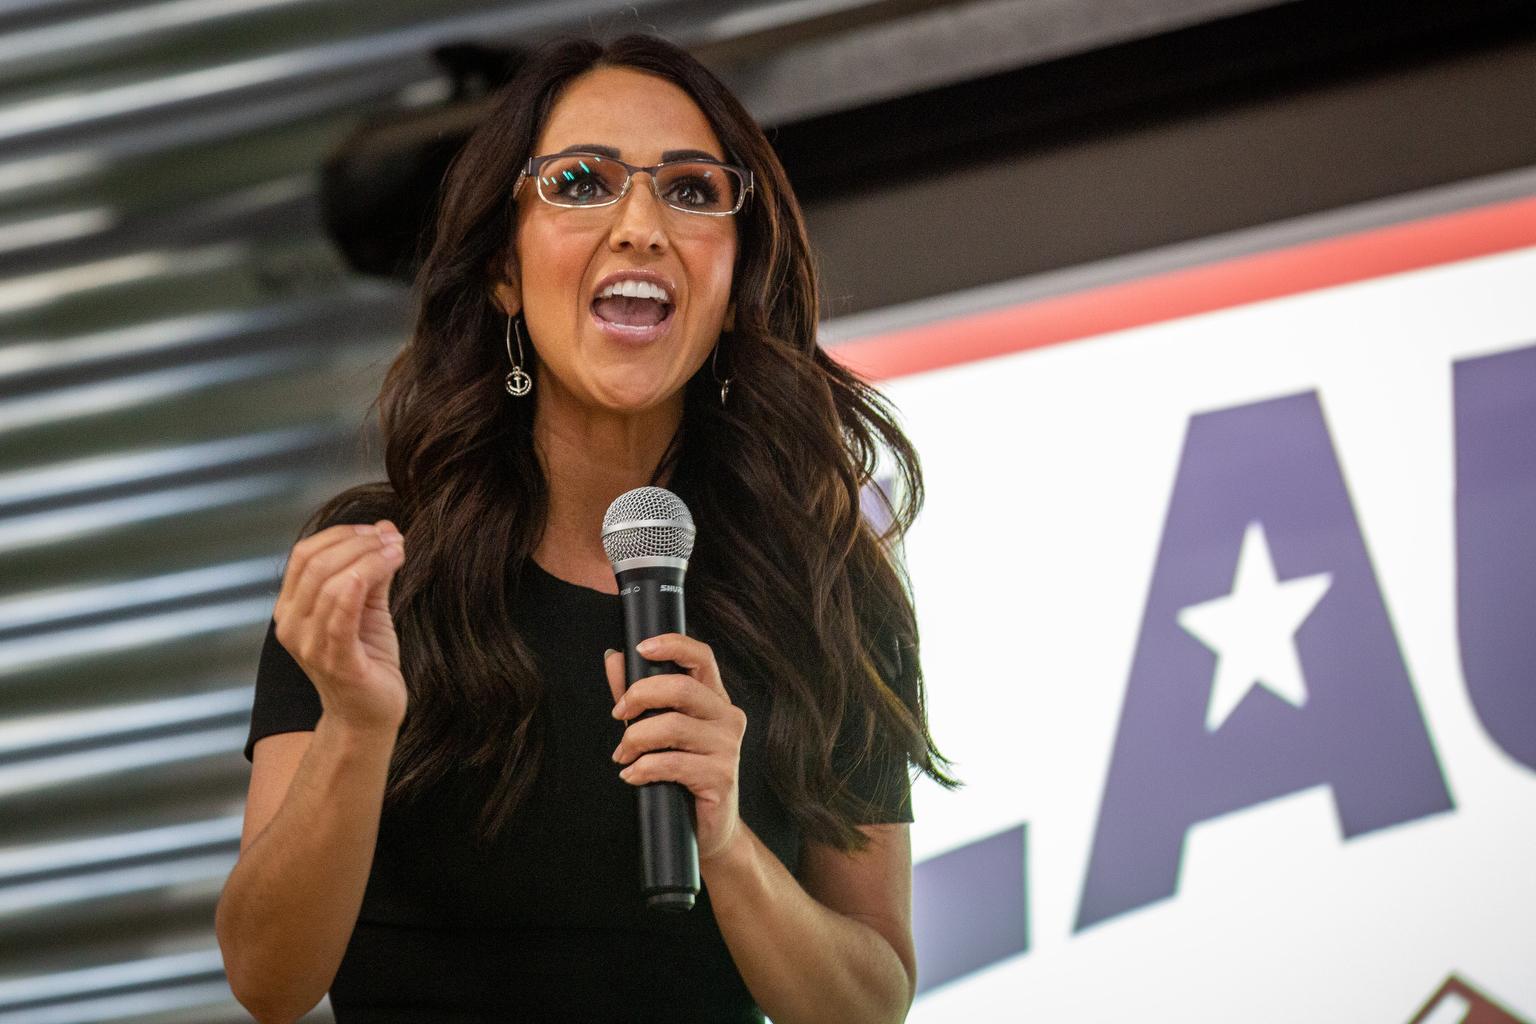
{"points": [[378, 188]]}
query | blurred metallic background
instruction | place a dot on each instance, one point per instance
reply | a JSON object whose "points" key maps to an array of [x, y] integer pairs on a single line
{"points": [[186, 356]]}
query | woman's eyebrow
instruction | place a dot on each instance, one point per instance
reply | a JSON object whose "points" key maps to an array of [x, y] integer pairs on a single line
{"points": [[671, 154]]}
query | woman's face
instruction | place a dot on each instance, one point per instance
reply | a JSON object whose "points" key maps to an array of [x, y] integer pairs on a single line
{"points": [[562, 254]]}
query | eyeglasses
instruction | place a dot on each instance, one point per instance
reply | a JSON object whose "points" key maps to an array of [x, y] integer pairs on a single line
{"points": [[585, 180]]}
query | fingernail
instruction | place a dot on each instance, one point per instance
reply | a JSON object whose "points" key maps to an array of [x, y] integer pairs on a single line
{"points": [[615, 754], [391, 537], [618, 709], [608, 652], [646, 646], [364, 529]]}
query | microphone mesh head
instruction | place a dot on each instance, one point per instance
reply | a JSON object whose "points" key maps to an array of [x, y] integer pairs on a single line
{"points": [[647, 522]]}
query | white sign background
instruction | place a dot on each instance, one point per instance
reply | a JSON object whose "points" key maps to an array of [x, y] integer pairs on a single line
{"points": [[1048, 475]]}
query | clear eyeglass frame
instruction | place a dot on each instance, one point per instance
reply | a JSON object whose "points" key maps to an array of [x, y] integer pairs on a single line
{"points": [[536, 163]]}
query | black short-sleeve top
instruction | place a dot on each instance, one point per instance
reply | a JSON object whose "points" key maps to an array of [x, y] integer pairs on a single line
{"points": [[546, 922]]}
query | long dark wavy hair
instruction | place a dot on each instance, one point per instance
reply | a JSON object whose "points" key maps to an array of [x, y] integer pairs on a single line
{"points": [[789, 568]]}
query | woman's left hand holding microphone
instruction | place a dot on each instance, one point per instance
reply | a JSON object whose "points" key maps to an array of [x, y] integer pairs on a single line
{"points": [[696, 741]]}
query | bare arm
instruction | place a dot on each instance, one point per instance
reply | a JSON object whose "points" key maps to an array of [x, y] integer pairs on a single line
{"points": [[312, 811], [291, 901], [840, 949], [834, 946]]}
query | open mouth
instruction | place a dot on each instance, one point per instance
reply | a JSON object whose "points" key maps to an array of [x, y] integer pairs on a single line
{"points": [[631, 313]]}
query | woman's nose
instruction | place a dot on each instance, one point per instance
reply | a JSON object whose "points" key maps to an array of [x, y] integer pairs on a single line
{"points": [[641, 213]]}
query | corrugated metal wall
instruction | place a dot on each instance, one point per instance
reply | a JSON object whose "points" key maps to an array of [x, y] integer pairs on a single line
{"points": [[184, 365]]}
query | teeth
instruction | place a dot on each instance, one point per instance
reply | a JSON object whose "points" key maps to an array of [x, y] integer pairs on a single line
{"points": [[636, 289]]}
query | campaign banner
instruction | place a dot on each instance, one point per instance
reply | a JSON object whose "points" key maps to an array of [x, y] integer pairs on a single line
{"points": [[1226, 582]]}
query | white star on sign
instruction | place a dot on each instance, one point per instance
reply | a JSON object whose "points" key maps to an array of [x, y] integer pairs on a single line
{"points": [[1252, 630]]}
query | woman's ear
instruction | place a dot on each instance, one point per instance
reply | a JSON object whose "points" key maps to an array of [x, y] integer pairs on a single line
{"points": [[504, 290], [507, 297]]}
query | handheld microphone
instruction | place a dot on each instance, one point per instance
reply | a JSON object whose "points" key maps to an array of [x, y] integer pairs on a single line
{"points": [[648, 535]]}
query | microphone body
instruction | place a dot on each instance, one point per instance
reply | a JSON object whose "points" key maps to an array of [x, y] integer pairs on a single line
{"points": [[669, 849], [648, 535]]}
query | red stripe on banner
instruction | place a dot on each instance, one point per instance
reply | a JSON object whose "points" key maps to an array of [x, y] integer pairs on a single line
{"points": [[1466, 234]]}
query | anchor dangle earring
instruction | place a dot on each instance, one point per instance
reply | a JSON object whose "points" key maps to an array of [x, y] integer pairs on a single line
{"points": [[518, 382], [725, 385], [730, 326]]}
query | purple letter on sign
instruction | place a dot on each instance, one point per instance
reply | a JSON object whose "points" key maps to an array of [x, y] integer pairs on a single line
{"points": [[1266, 663], [1496, 544]]}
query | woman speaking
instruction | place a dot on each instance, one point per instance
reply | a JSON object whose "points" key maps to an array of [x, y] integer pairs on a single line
{"points": [[441, 822]]}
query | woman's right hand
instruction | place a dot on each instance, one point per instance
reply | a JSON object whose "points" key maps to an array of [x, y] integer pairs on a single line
{"points": [[332, 615]]}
